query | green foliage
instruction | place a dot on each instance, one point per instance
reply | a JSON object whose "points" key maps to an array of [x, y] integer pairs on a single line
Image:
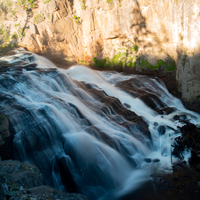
{"points": [[5, 34], [38, 18], [144, 63], [198, 98], [26, 4], [172, 65], [21, 32], [135, 48], [76, 19], [17, 24], [46, 1], [83, 6], [169, 64], [99, 63], [184, 60], [48, 16], [7, 47], [14, 36]]}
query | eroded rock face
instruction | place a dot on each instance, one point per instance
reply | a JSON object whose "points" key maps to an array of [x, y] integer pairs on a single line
{"points": [[123, 30]]}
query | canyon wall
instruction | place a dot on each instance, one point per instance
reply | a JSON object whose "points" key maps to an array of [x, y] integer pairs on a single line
{"points": [[144, 35]]}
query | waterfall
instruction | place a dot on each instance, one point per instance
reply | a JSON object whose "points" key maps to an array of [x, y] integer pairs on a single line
{"points": [[99, 133]]}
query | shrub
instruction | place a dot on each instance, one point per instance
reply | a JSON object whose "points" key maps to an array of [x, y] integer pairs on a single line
{"points": [[38, 18], [14, 36]]}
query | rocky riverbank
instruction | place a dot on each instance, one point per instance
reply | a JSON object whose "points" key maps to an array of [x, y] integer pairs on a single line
{"points": [[22, 181]]}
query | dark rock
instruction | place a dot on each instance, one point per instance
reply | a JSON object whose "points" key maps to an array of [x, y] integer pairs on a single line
{"points": [[147, 160], [156, 160], [23, 181], [198, 167], [161, 129], [45, 192], [155, 123], [127, 105]]}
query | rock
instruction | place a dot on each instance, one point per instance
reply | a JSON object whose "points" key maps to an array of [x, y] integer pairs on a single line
{"points": [[161, 129], [156, 160], [198, 167], [24, 181], [127, 105], [33, 29], [51, 6], [20, 175], [147, 160], [45, 192]]}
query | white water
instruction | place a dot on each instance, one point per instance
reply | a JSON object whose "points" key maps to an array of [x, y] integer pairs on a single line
{"points": [[79, 142]]}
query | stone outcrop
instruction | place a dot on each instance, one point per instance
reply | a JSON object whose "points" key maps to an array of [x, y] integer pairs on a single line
{"points": [[24, 181], [6, 139], [130, 33]]}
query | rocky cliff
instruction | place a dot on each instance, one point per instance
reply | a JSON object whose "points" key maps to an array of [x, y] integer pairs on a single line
{"points": [[143, 35]]}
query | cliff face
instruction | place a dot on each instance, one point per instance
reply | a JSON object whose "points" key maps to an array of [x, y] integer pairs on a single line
{"points": [[140, 34]]}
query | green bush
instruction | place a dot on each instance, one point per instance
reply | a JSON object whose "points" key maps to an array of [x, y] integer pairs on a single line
{"points": [[14, 36]]}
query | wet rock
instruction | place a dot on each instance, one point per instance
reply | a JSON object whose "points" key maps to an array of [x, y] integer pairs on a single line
{"points": [[127, 105], [198, 167], [6, 147], [156, 160], [23, 181], [161, 129], [19, 175], [147, 160]]}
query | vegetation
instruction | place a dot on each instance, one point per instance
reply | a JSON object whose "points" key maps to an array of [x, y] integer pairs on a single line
{"points": [[46, 1], [27, 4], [76, 19], [184, 60], [108, 1], [83, 5], [14, 36], [38, 18], [130, 58]]}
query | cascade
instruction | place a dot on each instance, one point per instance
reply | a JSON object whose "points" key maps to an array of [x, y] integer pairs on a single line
{"points": [[100, 133]]}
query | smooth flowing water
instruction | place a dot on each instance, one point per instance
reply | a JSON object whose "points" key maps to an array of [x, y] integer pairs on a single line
{"points": [[89, 131]]}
